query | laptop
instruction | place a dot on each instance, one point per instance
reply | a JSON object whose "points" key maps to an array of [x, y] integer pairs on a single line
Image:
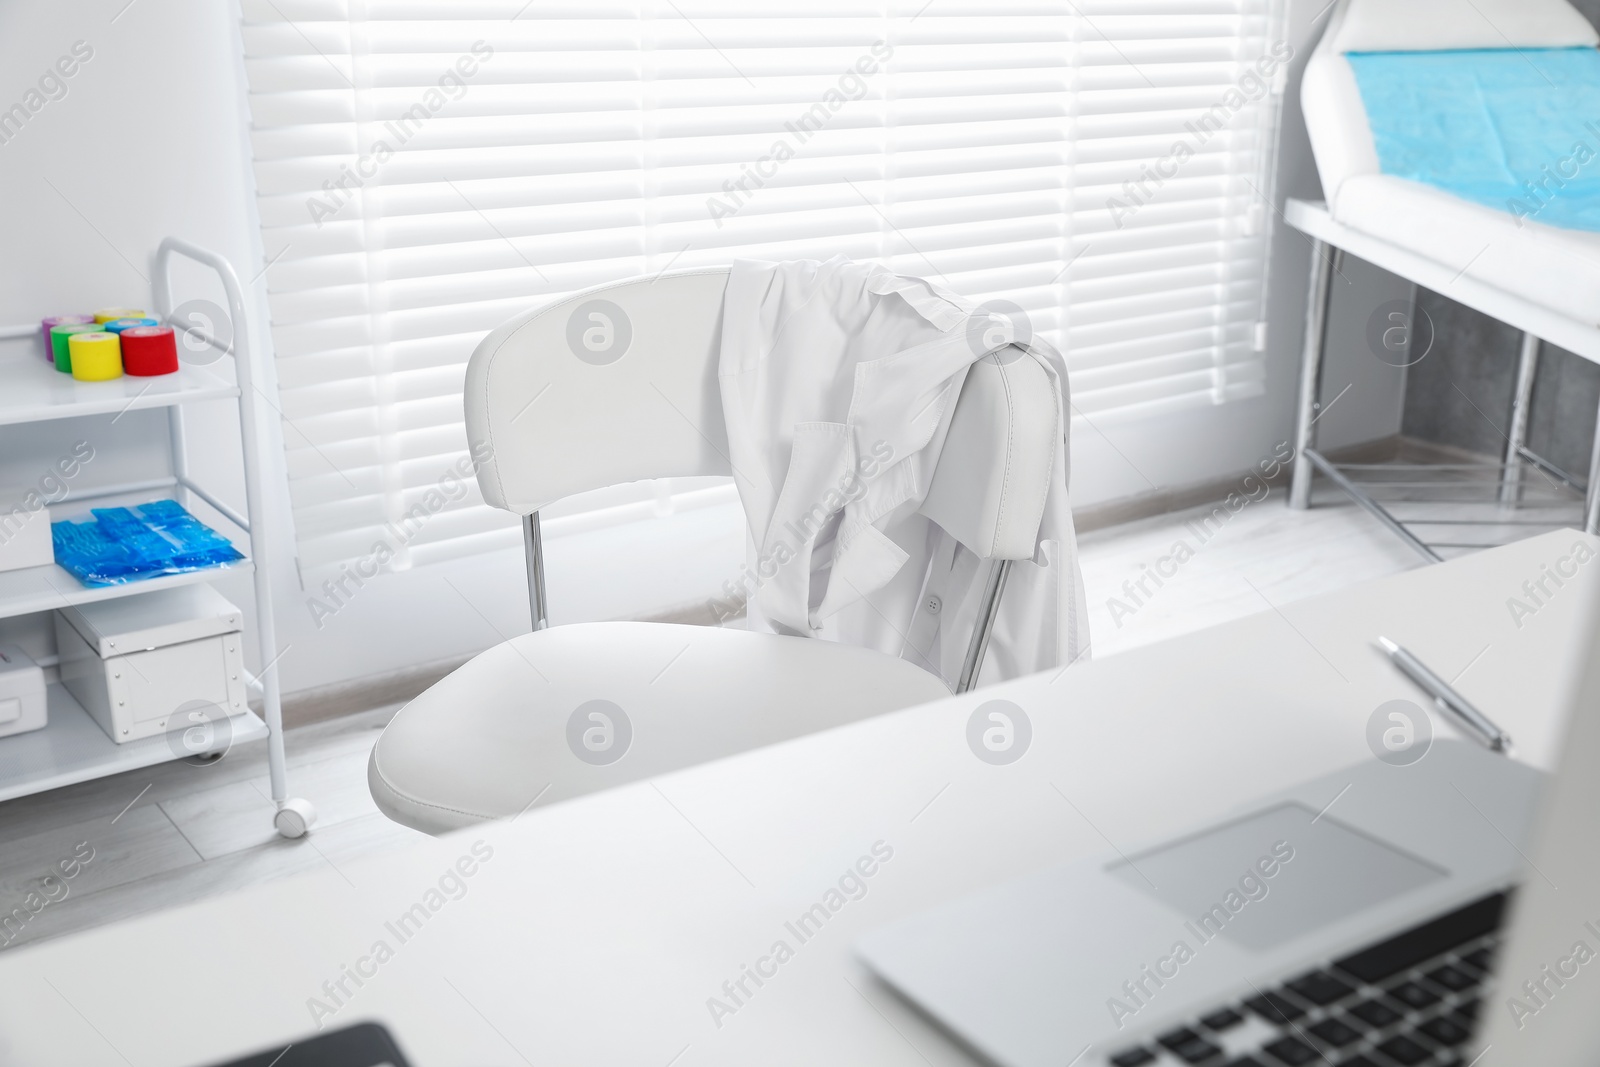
{"points": [[1441, 913]]}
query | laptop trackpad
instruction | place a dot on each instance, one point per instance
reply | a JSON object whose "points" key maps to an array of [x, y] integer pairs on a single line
{"points": [[1274, 875]]}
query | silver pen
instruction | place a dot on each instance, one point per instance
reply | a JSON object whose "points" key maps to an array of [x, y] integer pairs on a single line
{"points": [[1445, 696]]}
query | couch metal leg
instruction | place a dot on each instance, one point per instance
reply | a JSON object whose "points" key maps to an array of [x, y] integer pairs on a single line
{"points": [[1527, 370], [1318, 293], [1381, 513], [1591, 510], [533, 556]]}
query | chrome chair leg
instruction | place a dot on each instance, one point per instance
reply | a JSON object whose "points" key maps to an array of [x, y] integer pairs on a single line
{"points": [[988, 611], [533, 555]]}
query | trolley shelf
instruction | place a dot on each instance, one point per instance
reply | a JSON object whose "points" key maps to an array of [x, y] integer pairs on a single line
{"points": [[35, 391], [31, 589], [73, 748]]}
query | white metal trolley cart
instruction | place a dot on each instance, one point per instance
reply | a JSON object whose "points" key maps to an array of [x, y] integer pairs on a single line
{"points": [[72, 747]]}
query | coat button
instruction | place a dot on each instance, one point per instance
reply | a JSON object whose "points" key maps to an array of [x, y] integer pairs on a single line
{"points": [[932, 605]]}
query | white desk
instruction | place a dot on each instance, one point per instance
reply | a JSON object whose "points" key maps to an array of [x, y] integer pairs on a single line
{"points": [[599, 928]]}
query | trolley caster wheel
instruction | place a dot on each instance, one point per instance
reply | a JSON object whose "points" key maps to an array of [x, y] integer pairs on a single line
{"points": [[295, 816]]}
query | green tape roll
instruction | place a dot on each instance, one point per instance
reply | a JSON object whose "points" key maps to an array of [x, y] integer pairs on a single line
{"points": [[58, 342]]}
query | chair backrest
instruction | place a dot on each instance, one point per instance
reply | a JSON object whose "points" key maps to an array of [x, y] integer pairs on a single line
{"points": [[615, 384], [619, 383]]}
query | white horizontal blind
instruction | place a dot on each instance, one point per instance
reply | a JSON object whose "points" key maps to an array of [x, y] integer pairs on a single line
{"points": [[428, 168], [1175, 115]]}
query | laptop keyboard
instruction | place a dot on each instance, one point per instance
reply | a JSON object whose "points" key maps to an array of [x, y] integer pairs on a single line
{"points": [[1410, 1001]]}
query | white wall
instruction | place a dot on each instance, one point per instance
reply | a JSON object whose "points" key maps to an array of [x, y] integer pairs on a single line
{"points": [[150, 140], [1363, 397]]}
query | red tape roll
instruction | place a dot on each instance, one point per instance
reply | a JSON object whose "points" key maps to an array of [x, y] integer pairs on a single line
{"points": [[149, 350]]}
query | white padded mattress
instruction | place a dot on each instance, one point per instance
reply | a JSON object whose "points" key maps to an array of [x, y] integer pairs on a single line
{"points": [[1557, 269]]}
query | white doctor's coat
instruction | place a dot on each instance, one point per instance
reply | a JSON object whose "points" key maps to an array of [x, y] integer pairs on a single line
{"points": [[838, 383]]}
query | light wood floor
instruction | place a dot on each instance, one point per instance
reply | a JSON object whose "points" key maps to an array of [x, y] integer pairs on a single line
{"points": [[1262, 556], [176, 833]]}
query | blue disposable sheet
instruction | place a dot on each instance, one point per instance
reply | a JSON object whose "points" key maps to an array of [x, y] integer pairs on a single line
{"points": [[1514, 129]]}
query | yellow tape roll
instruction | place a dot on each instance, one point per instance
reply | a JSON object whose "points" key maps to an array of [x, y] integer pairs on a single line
{"points": [[96, 357], [105, 315]]}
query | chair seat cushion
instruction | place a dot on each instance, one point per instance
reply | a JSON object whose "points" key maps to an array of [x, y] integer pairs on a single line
{"points": [[573, 709]]}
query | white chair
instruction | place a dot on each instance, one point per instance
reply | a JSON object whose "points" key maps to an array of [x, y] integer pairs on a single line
{"points": [[619, 384]]}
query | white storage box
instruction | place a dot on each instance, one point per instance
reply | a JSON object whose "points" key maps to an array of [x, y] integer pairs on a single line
{"points": [[24, 531], [22, 699], [135, 661]]}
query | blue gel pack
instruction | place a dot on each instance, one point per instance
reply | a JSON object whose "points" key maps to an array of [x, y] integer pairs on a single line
{"points": [[1514, 129], [125, 545]]}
